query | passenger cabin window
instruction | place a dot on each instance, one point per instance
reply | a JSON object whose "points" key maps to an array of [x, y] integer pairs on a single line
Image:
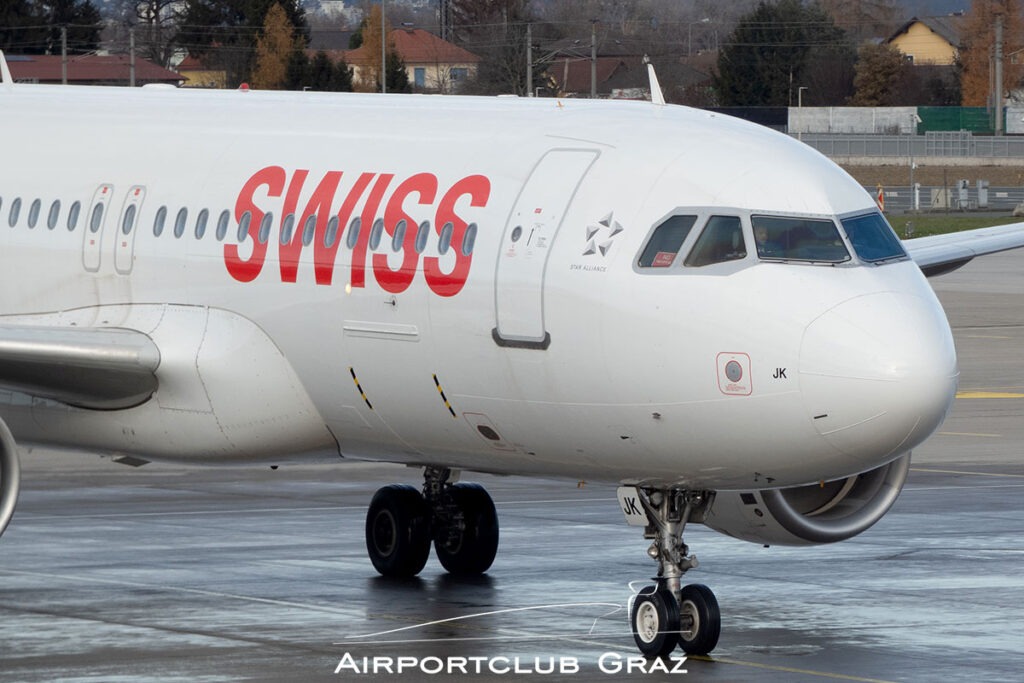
{"points": [[399, 236], [96, 222], [331, 236], [73, 213], [158, 222], [129, 220], [33, 213], [444, 239], [798, 239], [376, 232], [179, 222], [264, 234], [12, 217], [201, 220], [469, 239], [243, 225], [721, 241], [666, 241], [287, 228], [309, 230], [353, 233], [872, 238], [51, 219], [422, 235], [222, 225]]}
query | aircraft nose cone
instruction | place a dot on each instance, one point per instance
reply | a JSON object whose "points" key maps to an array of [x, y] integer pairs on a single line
{"points": [[878, 374]]}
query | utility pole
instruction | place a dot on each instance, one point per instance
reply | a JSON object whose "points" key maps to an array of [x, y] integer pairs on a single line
{"points": [[63, 55], [131, 56], [999, 75], [529, 59], [593, 59], [383, 52], [444, 20]]}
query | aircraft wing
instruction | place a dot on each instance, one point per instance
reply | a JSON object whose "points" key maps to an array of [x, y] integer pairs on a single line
{"points": [[940, 254], [99, 368]]}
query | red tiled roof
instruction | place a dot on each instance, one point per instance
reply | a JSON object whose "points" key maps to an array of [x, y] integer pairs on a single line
{"points": [[579, 72], [416, 46], [89, 68]]}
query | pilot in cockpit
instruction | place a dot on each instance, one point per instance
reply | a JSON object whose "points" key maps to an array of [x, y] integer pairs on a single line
{"points": [[765, 247]]}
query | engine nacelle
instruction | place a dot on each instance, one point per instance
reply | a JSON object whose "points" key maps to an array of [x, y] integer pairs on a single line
{"points": [[812, 514], [10, 476]]}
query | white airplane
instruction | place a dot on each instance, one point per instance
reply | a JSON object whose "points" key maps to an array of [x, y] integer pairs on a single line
{"points": [[704, 312]]}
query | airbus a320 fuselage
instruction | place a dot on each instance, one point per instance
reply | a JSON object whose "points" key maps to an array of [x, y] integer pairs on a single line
{"points": [[704, 312]]}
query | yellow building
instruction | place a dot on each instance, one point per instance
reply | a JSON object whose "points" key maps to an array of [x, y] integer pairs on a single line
{"points": [[929, 40], [198, 75]]}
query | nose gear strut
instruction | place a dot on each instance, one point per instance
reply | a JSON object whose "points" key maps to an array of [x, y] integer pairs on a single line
{"points": [[669, 613]]}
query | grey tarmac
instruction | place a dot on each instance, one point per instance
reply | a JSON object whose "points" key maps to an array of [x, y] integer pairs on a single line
{"points": [[162, 573]]}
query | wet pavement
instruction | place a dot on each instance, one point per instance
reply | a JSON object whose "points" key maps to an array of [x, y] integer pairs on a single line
{"points": [[110, 573]]}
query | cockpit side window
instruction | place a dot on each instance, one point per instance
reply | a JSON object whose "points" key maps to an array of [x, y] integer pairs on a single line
{"points": [[798, 239], [665, 242], [872, 238], [721, 241]]}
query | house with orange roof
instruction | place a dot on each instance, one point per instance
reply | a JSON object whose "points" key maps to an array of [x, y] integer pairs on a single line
{"points": [[432, 64]]}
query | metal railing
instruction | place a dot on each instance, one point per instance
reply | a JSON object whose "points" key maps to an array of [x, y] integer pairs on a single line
{"points": [[900, 198], [932, 144]]}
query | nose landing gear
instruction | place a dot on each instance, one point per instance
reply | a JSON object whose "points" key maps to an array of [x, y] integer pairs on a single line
{"points": [[668, 613], [459, 518]]}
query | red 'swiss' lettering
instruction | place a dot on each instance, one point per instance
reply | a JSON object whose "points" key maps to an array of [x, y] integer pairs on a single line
{"points": [[478, 189], [274, 178], [379, 212], [425, 185]]}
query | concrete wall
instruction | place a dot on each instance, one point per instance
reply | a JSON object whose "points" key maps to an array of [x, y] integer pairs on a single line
{"points": [[865, 120], [1015, 120]]}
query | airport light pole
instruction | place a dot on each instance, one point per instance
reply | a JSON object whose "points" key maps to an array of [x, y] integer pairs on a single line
{"points": [[383, 51]]}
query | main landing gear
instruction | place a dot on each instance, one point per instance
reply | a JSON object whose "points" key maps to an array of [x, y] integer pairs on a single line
{"points": [[668, 613], [458, 518]]}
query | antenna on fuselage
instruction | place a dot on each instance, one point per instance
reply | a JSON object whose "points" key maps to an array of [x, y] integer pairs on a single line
{"points": [[5, 73], [656, 95]]}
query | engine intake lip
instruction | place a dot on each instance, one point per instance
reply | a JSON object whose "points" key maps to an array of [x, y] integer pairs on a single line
{"points": [[10, 476], [877, 489]]}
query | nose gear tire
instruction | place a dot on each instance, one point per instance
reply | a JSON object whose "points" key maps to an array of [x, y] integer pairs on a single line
{"points": [[700, 618], [654, 620]]}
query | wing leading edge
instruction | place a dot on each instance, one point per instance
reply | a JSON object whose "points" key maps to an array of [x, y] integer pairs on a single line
{"points": [[940, 254], [98, 368]]}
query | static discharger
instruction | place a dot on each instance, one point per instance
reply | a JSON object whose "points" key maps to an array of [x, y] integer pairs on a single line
{"points": [[360, 388], [444, 398]]}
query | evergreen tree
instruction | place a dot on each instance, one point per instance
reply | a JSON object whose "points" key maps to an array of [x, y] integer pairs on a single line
{"points": [[224, 32], [82, 20], [881, 69], [28, 27], [297, 72], [764, 59]]}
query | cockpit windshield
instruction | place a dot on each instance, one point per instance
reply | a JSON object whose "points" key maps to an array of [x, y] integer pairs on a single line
{"points": [[798, 239], [872, 238]]}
